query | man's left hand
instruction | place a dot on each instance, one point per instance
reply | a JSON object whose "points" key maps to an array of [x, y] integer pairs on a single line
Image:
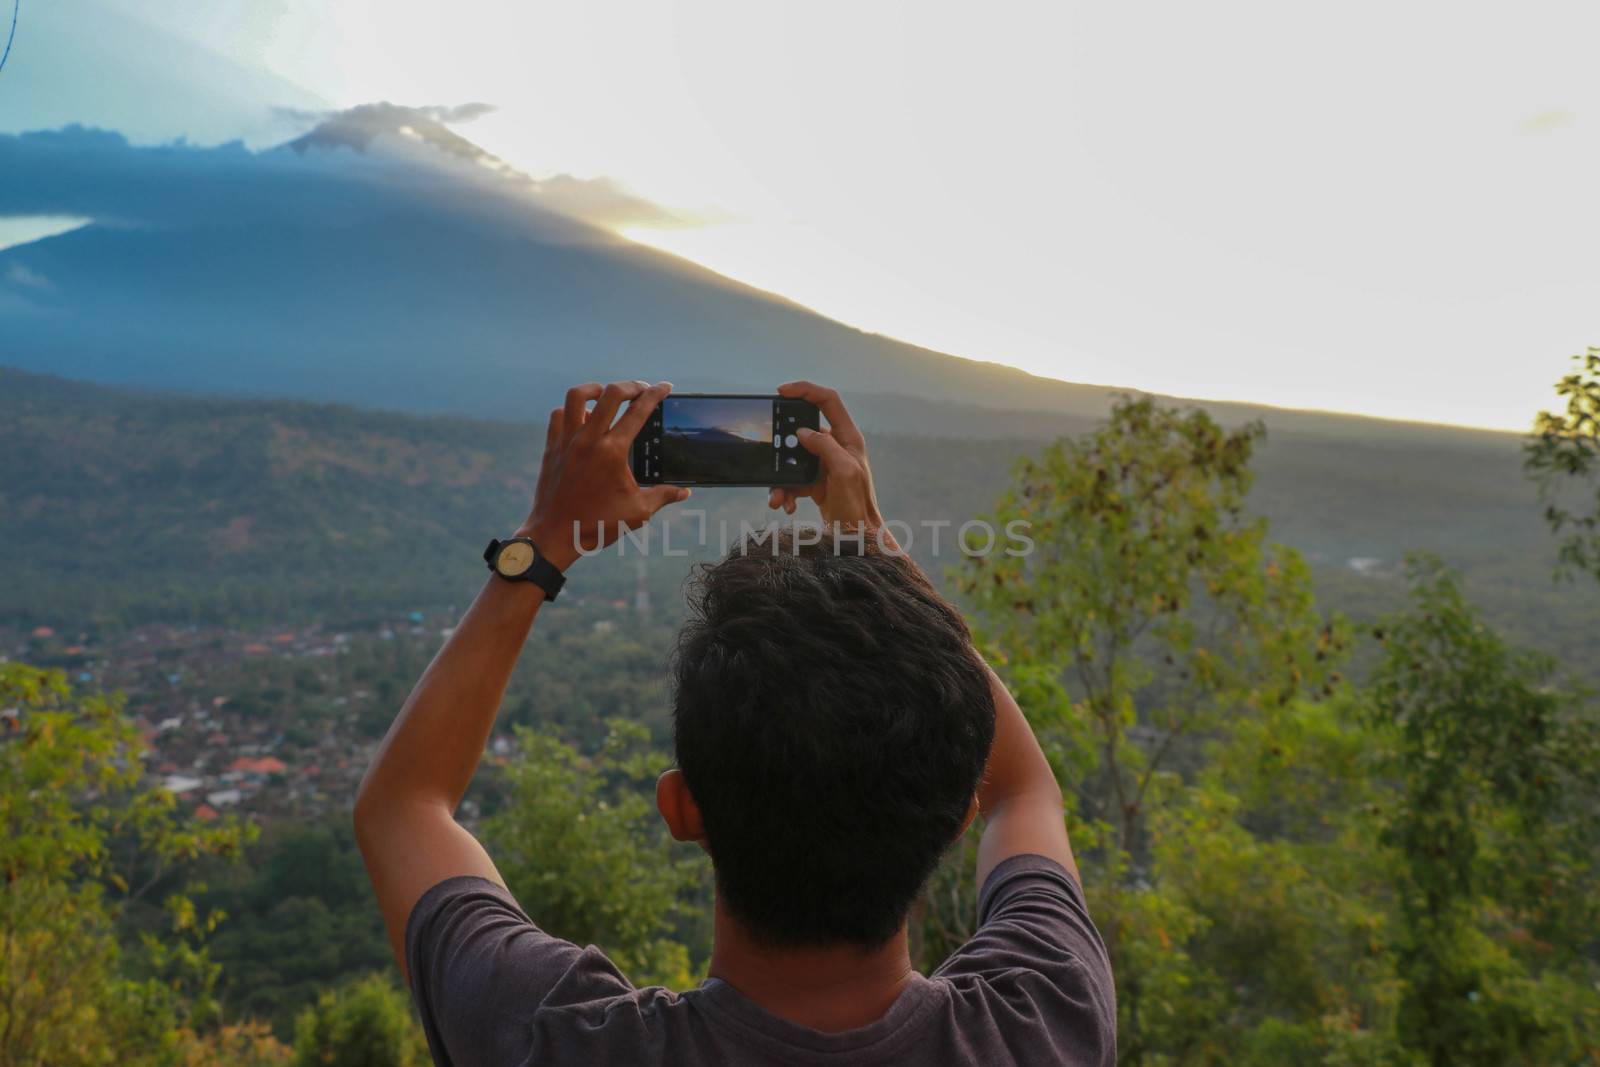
{"points": [[587, 494]]}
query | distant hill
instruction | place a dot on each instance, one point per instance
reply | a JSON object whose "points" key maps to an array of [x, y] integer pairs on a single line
{"points": [[120, 505]]}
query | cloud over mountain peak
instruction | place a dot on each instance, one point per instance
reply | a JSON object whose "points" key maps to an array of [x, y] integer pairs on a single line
{"points": [[328, 172]]}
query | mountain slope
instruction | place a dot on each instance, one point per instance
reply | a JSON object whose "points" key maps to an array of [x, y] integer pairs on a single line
{"points": [[380, 261], [384, 260]]}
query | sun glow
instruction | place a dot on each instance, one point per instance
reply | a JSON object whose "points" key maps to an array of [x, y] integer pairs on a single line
{"points": [[1294, 205]]}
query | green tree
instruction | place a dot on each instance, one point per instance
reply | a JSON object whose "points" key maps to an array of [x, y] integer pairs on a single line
{"points": [[367, 1023], [1150, 621], [582, 848], [1491, 821], [1564, 458], [300, 920], [238, 1045], [1273, 849], [84, 836]]}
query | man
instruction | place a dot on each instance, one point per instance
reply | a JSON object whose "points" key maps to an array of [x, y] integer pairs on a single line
{"points": [[835, 732]]}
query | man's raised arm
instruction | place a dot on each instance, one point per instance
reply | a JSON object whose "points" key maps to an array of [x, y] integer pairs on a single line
{"points": [[1019, 796], [405, 809]]}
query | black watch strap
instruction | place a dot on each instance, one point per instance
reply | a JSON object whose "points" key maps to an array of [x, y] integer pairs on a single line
{"points": [[541, 572]]}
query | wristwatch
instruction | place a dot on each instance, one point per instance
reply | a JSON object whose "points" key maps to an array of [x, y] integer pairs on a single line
{"points": [[518, 559]]}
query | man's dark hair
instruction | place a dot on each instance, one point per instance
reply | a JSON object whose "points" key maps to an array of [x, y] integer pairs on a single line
{"points": [[832, 721]]}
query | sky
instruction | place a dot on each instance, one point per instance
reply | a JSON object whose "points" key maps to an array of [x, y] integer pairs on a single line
{"points": [[1376, 208], [750, 419]]}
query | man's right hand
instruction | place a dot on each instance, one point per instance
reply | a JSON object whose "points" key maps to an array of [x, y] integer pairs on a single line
{"points": [[843, 490]]}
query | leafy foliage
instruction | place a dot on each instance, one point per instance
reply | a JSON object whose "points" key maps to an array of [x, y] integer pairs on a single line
{"points": [[1151, 620], [367, 1023], [1285, 866], [85, 836], [249, 1044], [1153, 608], [1491, 819], [1564, 458], [583, 849], [300, 921]]}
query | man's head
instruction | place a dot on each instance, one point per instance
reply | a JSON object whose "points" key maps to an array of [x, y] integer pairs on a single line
{"points": [[831, 723]]}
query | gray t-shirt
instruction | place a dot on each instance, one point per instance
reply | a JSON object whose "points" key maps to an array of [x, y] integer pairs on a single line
{"points": [[1032, 986]]}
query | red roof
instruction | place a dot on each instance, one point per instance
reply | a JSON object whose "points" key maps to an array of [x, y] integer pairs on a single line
{"points": [[205, 812], [264, 765]]}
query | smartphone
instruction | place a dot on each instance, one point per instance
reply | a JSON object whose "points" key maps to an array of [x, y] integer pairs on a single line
{"points": [[726, 439]]}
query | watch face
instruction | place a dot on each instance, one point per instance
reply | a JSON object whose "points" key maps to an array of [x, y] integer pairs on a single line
{"points": [[514, 559]]}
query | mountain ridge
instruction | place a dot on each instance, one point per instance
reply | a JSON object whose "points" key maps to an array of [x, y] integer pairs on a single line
{"points": [[402, 276]]}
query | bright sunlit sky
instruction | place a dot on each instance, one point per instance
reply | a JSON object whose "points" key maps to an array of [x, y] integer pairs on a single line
{"points": [[1371, 207]]}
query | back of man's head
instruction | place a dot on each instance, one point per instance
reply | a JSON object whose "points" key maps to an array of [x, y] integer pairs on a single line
{"points": [[831, 722]]}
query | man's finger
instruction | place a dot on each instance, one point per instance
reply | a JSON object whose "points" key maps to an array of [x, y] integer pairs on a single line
{"points": [[573, 415], [552, 430], [784, 496], [605, 409], [633, 419], [552, 439], [827, 400]]}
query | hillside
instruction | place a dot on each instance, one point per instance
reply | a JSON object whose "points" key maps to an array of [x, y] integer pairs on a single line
{"points": [[118, 505]]}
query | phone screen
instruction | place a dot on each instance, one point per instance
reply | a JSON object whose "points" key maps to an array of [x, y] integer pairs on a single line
{"points": [[700, 439]]}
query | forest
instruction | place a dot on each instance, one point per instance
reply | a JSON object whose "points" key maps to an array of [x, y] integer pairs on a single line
{"points": [[1313, 825]]}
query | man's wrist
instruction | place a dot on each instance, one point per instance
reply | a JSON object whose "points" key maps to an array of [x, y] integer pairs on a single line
{"points": [[554, 543], [872, 526]]}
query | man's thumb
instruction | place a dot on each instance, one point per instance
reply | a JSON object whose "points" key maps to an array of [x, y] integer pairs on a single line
{"points": [[659, 496], [818, 442]]}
